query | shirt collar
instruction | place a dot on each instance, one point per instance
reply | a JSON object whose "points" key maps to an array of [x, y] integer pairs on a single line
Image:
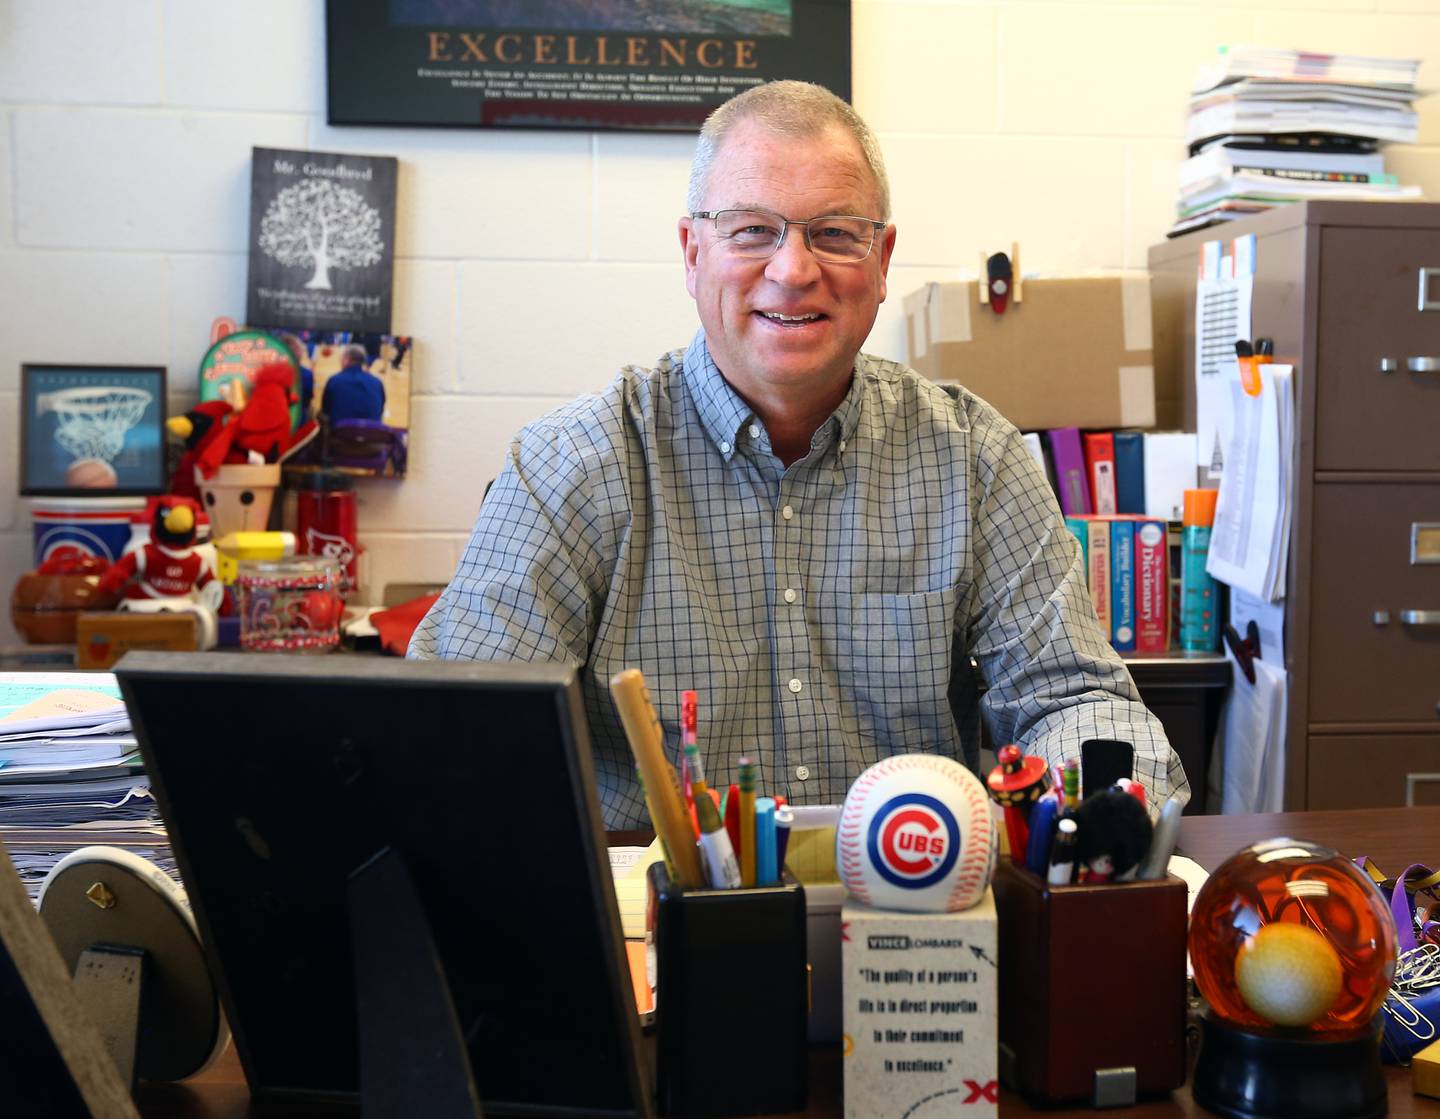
{"points": [[723, 411]]}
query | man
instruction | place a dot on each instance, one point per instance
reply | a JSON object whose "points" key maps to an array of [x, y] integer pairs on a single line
{"points": [[814, 539], [352, 393]]}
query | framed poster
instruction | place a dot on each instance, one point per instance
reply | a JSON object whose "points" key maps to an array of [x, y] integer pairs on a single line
{"points": [[593, 64], [89, 428], [322, 240]]}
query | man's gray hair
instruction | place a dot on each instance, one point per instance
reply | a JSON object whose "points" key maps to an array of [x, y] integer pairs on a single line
{"points": [[798, 109], [354, 353]]}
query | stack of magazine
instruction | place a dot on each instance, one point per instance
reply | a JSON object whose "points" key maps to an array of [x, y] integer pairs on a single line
{"points": [[70, 773], [1270, 126]]}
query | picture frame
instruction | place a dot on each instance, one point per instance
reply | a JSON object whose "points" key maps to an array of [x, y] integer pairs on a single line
{"points": [[92, 430], [588, 66]]}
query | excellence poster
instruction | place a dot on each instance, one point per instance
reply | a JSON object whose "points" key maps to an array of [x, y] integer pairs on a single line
{"points": [[653, 65]]}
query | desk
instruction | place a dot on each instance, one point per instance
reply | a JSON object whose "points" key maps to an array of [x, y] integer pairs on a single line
{"points": [[1394, 837]]}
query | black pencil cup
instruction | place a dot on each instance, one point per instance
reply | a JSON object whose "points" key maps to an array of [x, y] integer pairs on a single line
{"points": [[731, 999]]}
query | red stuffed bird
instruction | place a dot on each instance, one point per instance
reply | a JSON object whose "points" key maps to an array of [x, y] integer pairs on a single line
{"points": [[261, 432]]}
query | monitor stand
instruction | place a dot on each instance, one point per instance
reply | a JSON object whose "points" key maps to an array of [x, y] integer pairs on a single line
{"points": [[413, 1057]]}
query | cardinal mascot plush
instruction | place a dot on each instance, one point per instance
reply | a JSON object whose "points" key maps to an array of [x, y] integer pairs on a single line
{"points": [[214, 433], [168, 572]]}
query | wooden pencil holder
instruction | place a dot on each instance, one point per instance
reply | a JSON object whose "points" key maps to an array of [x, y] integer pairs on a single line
{"points": [[732, 998], [1092, 988]]}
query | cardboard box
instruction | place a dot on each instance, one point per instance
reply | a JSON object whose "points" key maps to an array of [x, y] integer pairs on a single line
{"points": [[101, 639], [1075, 353], [920, 1012]]}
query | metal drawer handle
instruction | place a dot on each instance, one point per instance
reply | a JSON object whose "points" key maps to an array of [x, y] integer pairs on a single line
{"points": [[1423, 364], [1420, 617]]}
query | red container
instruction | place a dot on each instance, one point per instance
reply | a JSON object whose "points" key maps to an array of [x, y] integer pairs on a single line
{"points": [[325, 522]]}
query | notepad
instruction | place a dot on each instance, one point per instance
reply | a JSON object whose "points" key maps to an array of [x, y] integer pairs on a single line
{"points": [[628, 866]]}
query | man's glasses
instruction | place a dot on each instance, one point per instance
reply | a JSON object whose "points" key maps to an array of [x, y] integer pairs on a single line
{"points": [[755, 234]]}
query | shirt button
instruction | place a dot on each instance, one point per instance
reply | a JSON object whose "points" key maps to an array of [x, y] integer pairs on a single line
{"points": [[802, 772], [790, 595], [724, 448], [795, 686], [754, 431], [787, 512], [842, 446]]}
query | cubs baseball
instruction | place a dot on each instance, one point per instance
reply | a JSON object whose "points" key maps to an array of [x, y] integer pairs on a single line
{"points": [[916, 834]]}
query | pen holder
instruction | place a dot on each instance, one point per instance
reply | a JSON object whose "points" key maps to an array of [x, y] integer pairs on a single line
{"points": [[1092, 988], [732, 995]]}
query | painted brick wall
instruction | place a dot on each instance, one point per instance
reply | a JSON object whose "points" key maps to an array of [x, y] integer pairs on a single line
{"points": [[531, 265]]}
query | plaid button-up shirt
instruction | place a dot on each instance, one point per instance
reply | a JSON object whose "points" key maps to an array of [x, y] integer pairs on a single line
{"points": [[826, 613]]}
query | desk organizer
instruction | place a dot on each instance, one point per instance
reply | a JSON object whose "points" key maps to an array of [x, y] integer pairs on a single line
{"points": [[732, 997], [1092, 988]]}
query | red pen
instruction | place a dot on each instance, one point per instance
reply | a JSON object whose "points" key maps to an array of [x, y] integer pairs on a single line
{"points": [[732, 815]]}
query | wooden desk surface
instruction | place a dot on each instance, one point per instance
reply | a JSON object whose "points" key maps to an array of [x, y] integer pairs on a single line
{"points": [[1394, 837]]}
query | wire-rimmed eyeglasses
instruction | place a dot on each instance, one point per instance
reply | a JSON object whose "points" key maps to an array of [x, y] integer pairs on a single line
{"points": [[758, 234]]}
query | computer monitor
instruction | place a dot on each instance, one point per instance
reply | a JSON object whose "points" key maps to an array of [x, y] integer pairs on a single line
{"points": [[280, 777]]}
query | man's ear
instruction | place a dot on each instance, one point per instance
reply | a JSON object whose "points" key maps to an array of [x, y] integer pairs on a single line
{"points": [[885, 248], [689, 250]]}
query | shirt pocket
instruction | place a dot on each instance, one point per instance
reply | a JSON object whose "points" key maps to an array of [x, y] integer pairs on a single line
{"points": [[894, 665]]}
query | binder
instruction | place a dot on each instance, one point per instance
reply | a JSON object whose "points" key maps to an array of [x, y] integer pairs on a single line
{"points": [[1071, 483], [1130, 472], [1100, 470]]}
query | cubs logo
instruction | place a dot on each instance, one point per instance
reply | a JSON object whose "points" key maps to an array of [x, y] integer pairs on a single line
{"points": [[913, 841]]}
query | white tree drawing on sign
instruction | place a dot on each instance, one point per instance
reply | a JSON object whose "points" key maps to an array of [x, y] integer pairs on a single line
{"points": [[318, 223]]}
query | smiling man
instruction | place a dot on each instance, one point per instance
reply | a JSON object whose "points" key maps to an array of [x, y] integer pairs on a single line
{"points": [[816, 540]]}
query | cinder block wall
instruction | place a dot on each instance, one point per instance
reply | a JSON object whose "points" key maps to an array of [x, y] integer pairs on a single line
{"points": [[531, 265]]}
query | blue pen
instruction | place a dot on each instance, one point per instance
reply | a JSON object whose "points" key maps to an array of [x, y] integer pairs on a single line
{"points": [[766, 870], [1042, 834]]}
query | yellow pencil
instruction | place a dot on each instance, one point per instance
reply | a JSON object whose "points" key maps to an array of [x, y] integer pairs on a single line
{"points": [[747, 822], [667, 803]]}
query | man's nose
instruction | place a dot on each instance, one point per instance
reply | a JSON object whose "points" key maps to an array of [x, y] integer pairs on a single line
{"points": [[793, 264]]}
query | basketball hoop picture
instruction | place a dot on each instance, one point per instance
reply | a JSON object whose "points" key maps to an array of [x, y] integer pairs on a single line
{"points": [[92, 430]]}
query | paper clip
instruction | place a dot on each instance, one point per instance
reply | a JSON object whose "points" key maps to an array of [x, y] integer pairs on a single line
{"points": [[1246, 649]]}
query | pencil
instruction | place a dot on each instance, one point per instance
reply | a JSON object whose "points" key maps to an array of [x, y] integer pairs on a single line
{"points": [[667, 804], [747, 822]]}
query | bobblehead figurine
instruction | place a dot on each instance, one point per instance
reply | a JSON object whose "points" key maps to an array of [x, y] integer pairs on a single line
{"points": [[169, 570]]}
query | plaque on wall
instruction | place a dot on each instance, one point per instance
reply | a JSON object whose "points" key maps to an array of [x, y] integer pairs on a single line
{"points": [[322, 240], [592, 64]]}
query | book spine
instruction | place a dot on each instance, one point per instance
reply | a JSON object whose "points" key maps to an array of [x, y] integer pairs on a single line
{"points": [[1313, 176], [1081, 528], [1070, 471], [1097, 554], [1122, 586], [1152, 586], [1100, 469], [1130, 472]]}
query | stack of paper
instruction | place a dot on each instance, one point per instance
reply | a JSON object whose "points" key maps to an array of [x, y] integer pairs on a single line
{"points": [[1250, 543], [1270, 126], [70, 773]]}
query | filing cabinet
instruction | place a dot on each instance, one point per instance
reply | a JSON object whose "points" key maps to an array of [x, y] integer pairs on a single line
{"points": [[1350, 292]]}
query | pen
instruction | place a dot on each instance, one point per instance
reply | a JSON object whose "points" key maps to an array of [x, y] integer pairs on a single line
{"points": [[667, 804], [1042, 834], [730, 810], [689, 720], [721, 869], [766, 871], [1062, 854], [1072, 784], [747, 822], [784, 820], [1162, 843]]}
